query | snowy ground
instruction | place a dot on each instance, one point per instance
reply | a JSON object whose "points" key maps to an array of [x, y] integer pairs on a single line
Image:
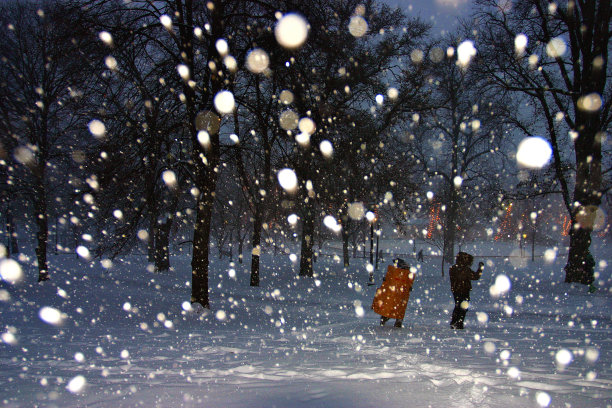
{"points": [[123, 338]]}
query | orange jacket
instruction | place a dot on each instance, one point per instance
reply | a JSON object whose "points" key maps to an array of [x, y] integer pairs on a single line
{"points": [[391, 298]]}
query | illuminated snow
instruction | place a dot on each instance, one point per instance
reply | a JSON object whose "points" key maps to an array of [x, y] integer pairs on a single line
{"points": [[10, 271], [331, 223], [533, 152], [222, 47], [465, 52], [358, 26], [520, 43], [257, 61], [356, 211], [76, 384], [169, 178], [287, 179], [50, 315], [97, 128], [224, 102], [307, 125], [326, 147], [106, 38], [291, 31], [289, 119], [556, 47]]}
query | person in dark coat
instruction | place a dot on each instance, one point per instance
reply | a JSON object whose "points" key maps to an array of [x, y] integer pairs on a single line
{"points": [[461, 277]]}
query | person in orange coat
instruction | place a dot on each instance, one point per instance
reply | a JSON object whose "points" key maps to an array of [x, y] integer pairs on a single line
{"points": [[461, 277], [392, 297]]}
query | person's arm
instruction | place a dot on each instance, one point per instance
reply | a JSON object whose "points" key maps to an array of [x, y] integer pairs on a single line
{"points": [[476, 275]]}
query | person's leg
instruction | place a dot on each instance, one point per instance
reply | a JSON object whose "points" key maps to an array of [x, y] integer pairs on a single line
{"points": [[456, 310], [383, 320], [398, 323], [464, 303]]}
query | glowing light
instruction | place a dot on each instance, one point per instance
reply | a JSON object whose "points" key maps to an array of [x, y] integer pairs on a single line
{"points": [[286, 97], [327, 149], [83, 252], [501, 286], [356, 211], [520, 43], [434, 219], [97, 128], [257, 61], [303, 139], [110, 62], [392, 93], [166, 21], [77, 384], [564, 357], [330, 222], [289, 119], [457, 181], [230, 63], [465, 52], [358, 26], [590, 103], [556, 47], [533, 152], [224, 102], [550, 255], [292, 219], [291, 31], [307, 125], [106, 38], [10, 271], [222, 47], [417, 56], [287, 180], [543, 399], [359, 311], [169, 178], [50, 315], [183, 71], [204, 139]]}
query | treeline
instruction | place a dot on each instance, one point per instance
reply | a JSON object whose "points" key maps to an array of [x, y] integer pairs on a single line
{"points": [[129, 123]]}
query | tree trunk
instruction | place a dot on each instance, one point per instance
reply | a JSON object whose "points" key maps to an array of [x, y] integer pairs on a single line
{"points": [[42, 235], [450, 227], [162, 245], [199, 261], [12, 246], [307, 253], [587, 193], [575, 271], [205, 172], [345, 242], [152, 235], [256, 242], [240, 246]]}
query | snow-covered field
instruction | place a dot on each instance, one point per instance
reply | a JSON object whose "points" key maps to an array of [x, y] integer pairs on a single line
{"points": [[123, 338]]}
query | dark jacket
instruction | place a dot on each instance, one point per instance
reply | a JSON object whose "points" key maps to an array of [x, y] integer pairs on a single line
{"points": [[461, 276]]}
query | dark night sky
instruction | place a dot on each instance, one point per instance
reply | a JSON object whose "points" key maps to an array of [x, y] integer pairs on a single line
{"points": [[442, 13]]}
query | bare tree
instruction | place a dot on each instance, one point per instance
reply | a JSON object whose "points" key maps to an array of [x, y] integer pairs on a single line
{"points": [[556, 54], [456, 144], [43, 62]]}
